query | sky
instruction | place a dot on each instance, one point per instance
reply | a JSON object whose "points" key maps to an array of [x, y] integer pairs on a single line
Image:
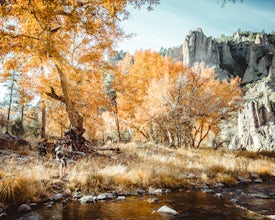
{"points": [[170, 21]]}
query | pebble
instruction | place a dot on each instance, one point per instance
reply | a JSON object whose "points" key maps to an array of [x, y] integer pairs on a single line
{"points": [[219, 195], [153, 200], [208, 191], [258, 181], [121, 198]]}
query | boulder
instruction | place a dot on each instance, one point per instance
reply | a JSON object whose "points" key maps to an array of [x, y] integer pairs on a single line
{"points": [[258, 181], [77, 195], [243, 180], [31, 216], [168, 210], [58, 197], [87, 199], [3, 215], [140, 192], [158, 191], [104, 196], [24, 208], [121, 198]]}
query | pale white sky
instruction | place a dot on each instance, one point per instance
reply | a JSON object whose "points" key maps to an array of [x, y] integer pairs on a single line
{"points": [[169, 23]]}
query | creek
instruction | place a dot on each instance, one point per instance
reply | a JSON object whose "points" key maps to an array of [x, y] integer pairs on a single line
{"points": [[190, 205]]}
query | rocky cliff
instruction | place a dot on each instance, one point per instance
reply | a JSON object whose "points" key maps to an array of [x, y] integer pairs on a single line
{"points": [[256, 118], [244, 54], [251, 56]]}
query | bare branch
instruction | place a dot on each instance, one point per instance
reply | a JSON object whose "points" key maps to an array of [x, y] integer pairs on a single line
{"points": [[53, 95]]}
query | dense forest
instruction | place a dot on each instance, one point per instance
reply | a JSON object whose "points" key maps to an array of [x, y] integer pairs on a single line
{"points": [[61, 75], [83, 122]]}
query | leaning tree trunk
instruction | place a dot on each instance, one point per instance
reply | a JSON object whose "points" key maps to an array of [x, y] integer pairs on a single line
{"points": [[76, 131]]}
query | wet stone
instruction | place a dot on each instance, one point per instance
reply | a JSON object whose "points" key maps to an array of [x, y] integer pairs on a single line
{"points": [[153, 200], [3, 215], [218, 195], [207, 190], [140, 192], [243, 180], [258, 181], [259, 195], [58, 197], [49, 206], [104, 196], [121, 198], [31, 216], [77, 195], [219, 185], [234, 200], [24, 208], [168, 210], [158, 191], [87, 199]]}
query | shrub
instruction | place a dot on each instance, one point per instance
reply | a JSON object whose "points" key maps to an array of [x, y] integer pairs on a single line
{"points": [[226, 179], [13, 189], [265, 173]]}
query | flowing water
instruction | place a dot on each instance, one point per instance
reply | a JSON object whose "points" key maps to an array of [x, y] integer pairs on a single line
{"points": [[189, 205]]}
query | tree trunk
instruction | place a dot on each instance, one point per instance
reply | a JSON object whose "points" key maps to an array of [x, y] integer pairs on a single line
{"points": [[22, 113], [43, 128], [10, 102], [117, 123], [76, 131]]}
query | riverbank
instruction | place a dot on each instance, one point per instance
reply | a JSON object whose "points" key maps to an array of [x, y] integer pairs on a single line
{"points": [[138, 168]]}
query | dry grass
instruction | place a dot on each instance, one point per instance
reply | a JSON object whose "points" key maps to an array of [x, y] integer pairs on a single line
{"points": [[138, 166]]}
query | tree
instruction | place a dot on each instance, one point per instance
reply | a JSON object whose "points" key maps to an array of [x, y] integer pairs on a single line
{"points": [[224, 2], [134, 77], [10, 78], [171, 104], [68, 38]]}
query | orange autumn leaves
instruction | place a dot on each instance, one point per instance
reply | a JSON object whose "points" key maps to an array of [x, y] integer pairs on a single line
{"points": [[168, 103]]}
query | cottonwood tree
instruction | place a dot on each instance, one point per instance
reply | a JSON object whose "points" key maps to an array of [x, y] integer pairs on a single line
{"points": [[70, 39], [169, 103], [133, 79]]}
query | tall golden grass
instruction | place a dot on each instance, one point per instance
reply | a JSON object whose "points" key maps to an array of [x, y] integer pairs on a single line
{"points": [[137, 166]]}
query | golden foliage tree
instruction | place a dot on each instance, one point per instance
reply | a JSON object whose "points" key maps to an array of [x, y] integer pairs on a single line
{"points": [[69, 39], [171, 104]]}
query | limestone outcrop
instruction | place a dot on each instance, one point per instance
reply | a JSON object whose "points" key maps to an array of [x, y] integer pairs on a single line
{"points": [[197, 48], [256, 120], [245, 54]]}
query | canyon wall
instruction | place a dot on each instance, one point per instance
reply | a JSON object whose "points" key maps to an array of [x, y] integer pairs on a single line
{"points": [[250, 56]]}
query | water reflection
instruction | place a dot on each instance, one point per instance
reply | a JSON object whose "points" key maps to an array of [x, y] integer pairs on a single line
{"points": [[191, 205]]}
